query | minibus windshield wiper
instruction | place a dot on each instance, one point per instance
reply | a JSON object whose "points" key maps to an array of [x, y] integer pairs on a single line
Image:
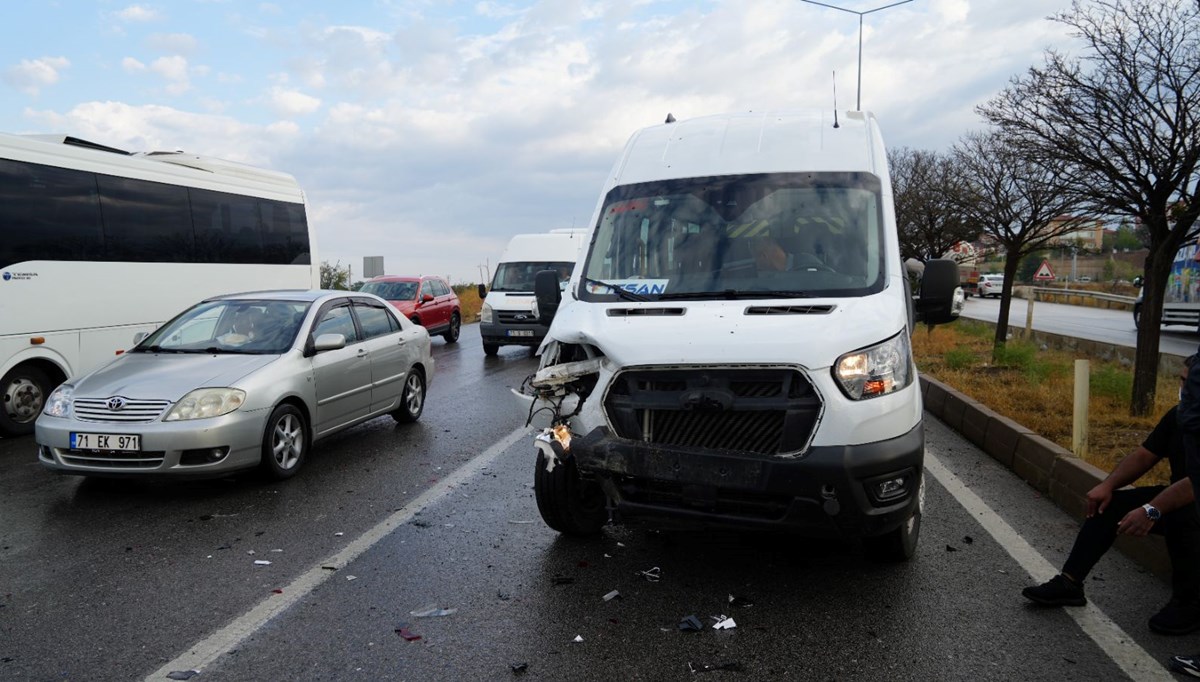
{"points": [[621, 293]]}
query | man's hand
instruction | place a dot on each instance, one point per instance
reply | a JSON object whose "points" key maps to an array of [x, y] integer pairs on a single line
{"points": [[1135, 523], [1098, 499]]}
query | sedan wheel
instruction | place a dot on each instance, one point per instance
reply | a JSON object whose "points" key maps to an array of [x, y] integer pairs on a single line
{"points": [[412, 403], [284, 443]]}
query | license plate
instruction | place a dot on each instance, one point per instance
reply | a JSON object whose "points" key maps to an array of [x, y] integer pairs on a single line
{"points": [[106, 441], [520, 332]]}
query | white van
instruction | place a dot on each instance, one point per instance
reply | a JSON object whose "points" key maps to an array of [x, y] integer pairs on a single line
{"points": [[734, 348], [507, 316]]}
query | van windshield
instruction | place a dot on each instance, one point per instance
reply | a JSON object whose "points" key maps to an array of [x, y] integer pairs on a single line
{"points": [[519, 276], [779, 235]]}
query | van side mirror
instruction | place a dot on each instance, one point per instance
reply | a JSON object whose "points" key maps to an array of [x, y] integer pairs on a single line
{"points": [[1137, 281], [936, 302], [548, 295], [482, 292]]}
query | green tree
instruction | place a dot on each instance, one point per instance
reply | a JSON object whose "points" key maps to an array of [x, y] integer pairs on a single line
{"points": [[333, 276], [1029, 266]]}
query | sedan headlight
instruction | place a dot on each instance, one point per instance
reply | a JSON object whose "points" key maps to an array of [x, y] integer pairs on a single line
{"points": [[485, 314], [206, 402], [875, 371], [59, 402]]}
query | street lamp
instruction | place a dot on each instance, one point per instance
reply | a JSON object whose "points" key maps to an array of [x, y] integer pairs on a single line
{"points": [[858, 102]]}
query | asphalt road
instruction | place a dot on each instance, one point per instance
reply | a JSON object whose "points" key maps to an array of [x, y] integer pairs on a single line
{"points": [[132, 580], [1109, 326]]}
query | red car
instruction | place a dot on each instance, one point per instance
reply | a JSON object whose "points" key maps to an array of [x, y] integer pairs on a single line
{"points": [[428, 301]]}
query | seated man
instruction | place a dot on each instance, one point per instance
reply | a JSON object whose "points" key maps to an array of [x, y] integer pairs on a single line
{"points": [[1167, 510], [769, 254]]}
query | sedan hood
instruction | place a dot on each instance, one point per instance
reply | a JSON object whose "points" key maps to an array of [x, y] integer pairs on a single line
{"points": [[165, 376]]}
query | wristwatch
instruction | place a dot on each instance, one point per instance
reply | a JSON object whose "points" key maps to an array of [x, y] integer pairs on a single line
{"points": [[1152, 512]]}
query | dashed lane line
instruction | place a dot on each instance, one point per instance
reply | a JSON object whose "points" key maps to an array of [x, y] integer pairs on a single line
{"points": [[1135, 661], [221, 642]]}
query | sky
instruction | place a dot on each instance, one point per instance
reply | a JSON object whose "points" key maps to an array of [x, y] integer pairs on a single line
{"points": [[429, 132]]}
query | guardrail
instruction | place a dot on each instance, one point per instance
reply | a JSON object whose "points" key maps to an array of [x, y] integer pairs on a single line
{"points": [[1052, 295]]}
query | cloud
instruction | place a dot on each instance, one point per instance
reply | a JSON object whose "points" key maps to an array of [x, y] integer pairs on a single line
{"points": [[172, 43], [132, 65], [288, 103], [31, 75], [138, 13], [175, 71]]}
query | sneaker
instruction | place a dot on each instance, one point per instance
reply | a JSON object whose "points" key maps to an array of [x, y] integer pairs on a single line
{"points": [[1176, 618], [1188, 664], [1058, 591]]}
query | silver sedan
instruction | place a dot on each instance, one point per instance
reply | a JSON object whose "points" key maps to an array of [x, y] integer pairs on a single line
{"points": [[236, 382]]}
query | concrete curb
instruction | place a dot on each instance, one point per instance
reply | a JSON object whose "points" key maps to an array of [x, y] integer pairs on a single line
{"points": [[1051, 469]]}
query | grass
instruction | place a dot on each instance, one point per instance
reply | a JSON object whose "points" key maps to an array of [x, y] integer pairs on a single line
{"points": [[1035, 388]]}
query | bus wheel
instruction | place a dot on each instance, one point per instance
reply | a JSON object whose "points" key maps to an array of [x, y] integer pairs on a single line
{"points": [[23, 392]]}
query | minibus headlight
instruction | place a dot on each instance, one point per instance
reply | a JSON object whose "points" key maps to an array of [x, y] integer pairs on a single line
{"points": [[206, 402], [877, 370], [59, 402], [485, 314]]}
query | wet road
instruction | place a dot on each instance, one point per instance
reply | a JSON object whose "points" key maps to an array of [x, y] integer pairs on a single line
{"points": [[121, 581]]}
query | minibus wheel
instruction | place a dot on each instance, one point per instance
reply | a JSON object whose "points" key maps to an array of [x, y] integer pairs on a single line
{"points": [[567, 503], [901, 543]]}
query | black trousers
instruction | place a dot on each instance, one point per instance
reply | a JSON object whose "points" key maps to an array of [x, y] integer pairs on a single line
{"points": [[1180, 527]]}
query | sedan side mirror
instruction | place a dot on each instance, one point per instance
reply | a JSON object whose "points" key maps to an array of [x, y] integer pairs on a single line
{"points": [[329, 342], [548, 295]]}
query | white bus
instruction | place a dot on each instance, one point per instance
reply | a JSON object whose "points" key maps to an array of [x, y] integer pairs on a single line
{"points": [[98, 244]]}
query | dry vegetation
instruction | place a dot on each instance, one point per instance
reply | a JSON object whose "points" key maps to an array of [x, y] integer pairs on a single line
{"points": [[1035, 388], [468, 302]]}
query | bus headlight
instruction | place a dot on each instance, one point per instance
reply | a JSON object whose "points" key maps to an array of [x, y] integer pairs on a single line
{"points": [[877, 370], [485, 314], [206, 402], [59, 402]]}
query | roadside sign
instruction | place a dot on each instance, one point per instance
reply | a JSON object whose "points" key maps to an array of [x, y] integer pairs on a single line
{"points": [[1044, 272]]}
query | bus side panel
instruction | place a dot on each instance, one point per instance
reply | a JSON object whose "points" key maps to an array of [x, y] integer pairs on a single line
{"points": [[60, 349]]}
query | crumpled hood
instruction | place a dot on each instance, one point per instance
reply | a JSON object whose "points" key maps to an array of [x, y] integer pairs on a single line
{"points": [[720, 332], [167, 376]]}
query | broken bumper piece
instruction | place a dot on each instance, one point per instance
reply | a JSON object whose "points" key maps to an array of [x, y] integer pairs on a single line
{"points": [[829, 492]]}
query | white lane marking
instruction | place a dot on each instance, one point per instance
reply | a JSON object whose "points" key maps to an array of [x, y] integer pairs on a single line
{"points": [[221, 642], [1112, 640]]}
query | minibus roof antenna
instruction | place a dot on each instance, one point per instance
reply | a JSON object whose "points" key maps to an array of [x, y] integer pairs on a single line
{"points": [[835, 121]]}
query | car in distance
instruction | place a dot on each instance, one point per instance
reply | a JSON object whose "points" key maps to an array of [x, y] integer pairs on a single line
{"points": [[991, 285], [427, 300], [238, 382]]}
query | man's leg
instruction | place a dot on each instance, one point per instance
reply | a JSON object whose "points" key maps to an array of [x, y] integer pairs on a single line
{"points": [[1182, 615], [1095, 537]]}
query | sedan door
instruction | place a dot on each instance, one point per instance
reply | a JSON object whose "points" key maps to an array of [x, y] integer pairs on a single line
{"points": [[392, 351], [342, 375]]}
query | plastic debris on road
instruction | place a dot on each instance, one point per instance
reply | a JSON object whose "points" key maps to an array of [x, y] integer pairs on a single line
{"points": [[651, 574], [723, 623], [690, 624], [951, 548], [182, 674], [709, 667], [338, 535], [519, 668], [351, 577], [433, 610], [261, 562], [740, 602], [578, 638], [520, 522], [408, 635], [612, 595]]}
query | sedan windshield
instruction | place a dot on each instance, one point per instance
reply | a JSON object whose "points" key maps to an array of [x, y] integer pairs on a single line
{"points": [[230, 326], [391, 291], [786, 235]]}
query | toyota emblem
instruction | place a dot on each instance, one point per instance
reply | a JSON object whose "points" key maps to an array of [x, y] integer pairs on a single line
{"points": [[115, 404]]}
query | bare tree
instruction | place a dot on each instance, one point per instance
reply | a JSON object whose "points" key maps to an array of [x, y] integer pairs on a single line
{"points": [[923, 187], [1124, 120], [1019, 202]]}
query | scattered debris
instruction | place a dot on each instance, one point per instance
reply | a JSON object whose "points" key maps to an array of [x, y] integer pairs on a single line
{"points": [[620, 544], [519, 668], [277, 550], [520, 522], [578, 638], [709, 667], [432, 611], [503, 596], [419, 523], [951, 548], [338, 535], [408, 635], [612, 595], [562, 580], [206, 517], [1070, 660], [261, 562], [1097, 578], [690, 624], [651, 574], [182, 674], [329, 567], [723, 623], [740, 602], [351, 577], [967, 539], [607, 556], [277, 591]]}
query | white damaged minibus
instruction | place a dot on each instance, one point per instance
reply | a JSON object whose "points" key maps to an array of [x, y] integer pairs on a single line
{"points": [[733, 349]]}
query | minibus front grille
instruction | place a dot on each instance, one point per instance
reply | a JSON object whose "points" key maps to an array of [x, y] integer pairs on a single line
{"points": [[515, 317], [762, 411]]}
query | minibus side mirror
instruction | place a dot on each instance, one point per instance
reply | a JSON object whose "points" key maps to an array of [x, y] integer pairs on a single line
{"points": [[482, 292], [935, 303], [548, 295]]}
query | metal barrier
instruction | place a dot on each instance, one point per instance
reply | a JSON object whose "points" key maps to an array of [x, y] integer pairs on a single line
{"points": [[1050, 294]]}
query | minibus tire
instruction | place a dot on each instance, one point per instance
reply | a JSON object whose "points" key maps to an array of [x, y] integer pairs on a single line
{"points": [[567, 503]]}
